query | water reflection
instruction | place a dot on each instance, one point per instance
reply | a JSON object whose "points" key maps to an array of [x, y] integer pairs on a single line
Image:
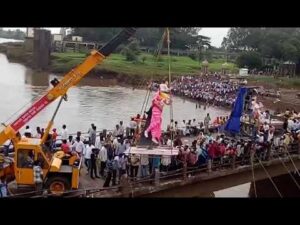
{"points": [[36, 79]]}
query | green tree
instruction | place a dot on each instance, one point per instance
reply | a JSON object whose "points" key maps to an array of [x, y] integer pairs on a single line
{"points": [[250, 60], [131, 51]]}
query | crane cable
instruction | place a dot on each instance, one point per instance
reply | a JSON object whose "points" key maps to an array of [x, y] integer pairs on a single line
{"points": [[170, 80], [296, 169], [270, 178], [289, 172]]}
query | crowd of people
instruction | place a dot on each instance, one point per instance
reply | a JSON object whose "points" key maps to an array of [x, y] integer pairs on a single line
{"points": [[213, 90]]}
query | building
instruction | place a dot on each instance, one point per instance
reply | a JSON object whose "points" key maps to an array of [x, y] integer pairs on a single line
{"points": [[29, 32], [63, 32], [57, 37]]}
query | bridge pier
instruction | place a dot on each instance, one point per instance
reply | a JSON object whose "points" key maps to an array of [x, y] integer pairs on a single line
{"points": [[41, 48]]}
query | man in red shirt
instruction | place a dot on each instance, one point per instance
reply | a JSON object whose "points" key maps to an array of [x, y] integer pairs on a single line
{"points": [[54, 134], [65, 147]]}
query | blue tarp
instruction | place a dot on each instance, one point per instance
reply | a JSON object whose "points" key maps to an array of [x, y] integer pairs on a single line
{"points": [[234, 123]]}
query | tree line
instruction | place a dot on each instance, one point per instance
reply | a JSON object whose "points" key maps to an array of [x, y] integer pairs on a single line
{"points": [[255, 44], [12, 34], [181, 38]]}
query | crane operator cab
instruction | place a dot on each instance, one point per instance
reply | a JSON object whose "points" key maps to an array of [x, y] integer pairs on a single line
{"points": [[60, 170]]}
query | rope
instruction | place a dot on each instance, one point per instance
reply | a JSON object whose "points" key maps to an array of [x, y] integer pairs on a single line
{"points": [[254, 185], [270, 178], [296, 169], [159, 46], [145, 99], [289, 172], [170, 81]]}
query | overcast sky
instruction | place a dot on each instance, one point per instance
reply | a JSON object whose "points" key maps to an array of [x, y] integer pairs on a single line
{"points": [[216, 34]]}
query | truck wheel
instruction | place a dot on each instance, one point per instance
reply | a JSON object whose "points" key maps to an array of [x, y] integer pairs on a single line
{"points": [[58, 185]]}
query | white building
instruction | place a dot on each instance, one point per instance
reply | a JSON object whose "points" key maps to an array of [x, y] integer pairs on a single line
{"points": [[243, 72], [30, 32], [57, 37]]}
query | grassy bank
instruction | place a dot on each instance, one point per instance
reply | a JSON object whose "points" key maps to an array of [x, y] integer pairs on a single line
{"points": [[116, 63], [271, 82]]}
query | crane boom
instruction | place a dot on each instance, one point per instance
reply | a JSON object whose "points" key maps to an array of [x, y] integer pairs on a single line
{"points": [[69, 80]]}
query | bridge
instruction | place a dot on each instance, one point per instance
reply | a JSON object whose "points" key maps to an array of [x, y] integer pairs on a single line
{"points": [[209, 179], [203, 185]]}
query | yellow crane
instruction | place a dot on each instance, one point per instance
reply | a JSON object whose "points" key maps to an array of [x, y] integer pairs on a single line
{"points": [[59, 174]]}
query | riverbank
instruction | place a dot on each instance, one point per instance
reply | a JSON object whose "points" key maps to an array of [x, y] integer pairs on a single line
{"points": [[116, 66]]}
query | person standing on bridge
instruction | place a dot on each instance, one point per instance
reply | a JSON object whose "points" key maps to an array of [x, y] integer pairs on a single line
{"points": [[103, 159], [28, 132], [3, 187], [87, 156], [93, 166], [64, 133], [109, 166], [206, 123], [122, 129], [93, 135], [78, 146], [90, 131], [38, 176]]}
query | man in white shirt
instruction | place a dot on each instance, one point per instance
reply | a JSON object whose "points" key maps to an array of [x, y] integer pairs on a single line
{"points": [[103, 159], [98, 143], [28, 132], [183, 127], [64, 133], [164, 87], [121, 130], [87, 156], [266, 131], [132, 126], [116, 131], [79, 146], [121, 148], [90, 131]]}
